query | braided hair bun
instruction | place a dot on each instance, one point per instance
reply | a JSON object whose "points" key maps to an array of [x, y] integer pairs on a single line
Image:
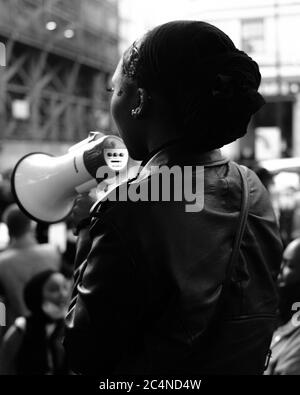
{"points": [[210, 86]]}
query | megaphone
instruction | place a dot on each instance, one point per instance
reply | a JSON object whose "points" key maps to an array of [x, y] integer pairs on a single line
{"points": [[45, 186]]}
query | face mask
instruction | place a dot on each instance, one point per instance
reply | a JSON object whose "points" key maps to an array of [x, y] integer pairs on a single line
{"points": [[53, 311]]}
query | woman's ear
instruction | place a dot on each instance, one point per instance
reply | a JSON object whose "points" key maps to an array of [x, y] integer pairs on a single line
{"points": [[143, 104]]}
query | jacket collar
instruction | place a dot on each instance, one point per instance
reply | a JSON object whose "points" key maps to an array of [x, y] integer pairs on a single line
{"points": [[179, 154], [175, 153]]}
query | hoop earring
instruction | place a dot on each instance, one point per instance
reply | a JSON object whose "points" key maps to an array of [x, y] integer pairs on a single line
{"points": [[135, 113]]}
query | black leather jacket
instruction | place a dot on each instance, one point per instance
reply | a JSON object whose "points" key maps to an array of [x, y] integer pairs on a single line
{"points": [[146, 298]]}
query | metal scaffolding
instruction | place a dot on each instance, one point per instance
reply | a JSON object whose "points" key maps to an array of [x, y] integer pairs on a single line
{"points": [[59, 55]]}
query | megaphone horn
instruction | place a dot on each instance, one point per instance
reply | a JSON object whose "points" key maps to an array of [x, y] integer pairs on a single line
{"points": [[45, 186]]}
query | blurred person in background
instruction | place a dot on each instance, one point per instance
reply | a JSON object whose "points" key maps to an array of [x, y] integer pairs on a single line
{"points": [[68, 255], [6, 196], [33, 344], [287, 211], [285, 205], [153, 294], [289, 280], [285, 346], [22, 259]]}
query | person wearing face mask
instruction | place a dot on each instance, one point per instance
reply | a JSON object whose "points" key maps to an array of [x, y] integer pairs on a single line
{"points": [[33, 344], [23, 258]]}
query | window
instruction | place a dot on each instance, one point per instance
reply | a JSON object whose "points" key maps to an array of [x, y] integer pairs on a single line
{"points": [[253, 35]]}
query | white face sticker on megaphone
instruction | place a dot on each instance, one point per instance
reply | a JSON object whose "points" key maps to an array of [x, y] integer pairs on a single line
{"points": [[116, 158]]}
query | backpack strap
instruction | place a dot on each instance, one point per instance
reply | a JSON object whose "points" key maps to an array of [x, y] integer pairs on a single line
{"points": [[219, 314], [241, 224]]}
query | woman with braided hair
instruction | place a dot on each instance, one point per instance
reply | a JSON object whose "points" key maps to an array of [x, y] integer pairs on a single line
{"points": [[160, 288]]}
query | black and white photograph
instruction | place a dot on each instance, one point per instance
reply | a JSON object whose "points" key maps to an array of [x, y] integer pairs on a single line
{"points": [[149, 192]]}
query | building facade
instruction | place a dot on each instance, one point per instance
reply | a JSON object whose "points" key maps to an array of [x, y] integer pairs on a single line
{"points": [[59, 56], [268, 31]]}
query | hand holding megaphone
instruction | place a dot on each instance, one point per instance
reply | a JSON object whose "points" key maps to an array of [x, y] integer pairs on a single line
{"points": [[83, 204], [45, 186]]}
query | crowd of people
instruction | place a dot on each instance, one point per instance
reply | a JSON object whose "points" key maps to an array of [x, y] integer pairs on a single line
{"points": [[157, 289], [35, 293]]}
